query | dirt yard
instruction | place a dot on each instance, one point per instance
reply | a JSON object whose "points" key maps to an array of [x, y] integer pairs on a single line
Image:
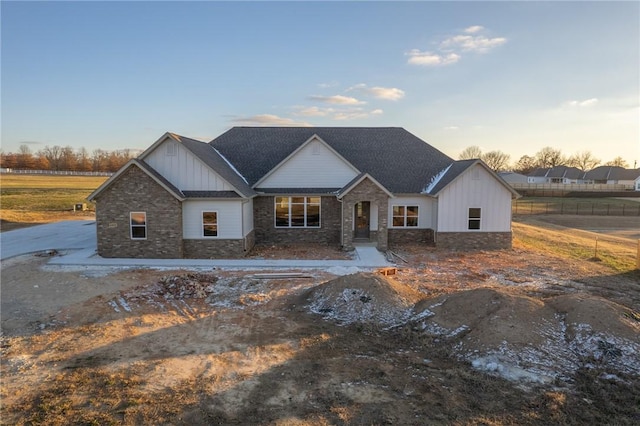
{"points": [[489, 338]]}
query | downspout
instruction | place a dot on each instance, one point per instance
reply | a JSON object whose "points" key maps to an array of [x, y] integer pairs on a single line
{"points": [[341, 222]]}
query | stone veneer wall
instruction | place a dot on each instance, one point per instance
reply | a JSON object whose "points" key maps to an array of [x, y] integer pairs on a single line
{"points": [[410, 236], [266, 231], [135, 191], [474, 240], [365, 191], [218, 249]]}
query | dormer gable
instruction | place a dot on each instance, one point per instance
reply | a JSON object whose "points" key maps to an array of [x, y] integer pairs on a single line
{"points": [[314, 164]]}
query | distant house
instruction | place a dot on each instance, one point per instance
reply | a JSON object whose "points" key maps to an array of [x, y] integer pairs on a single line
{"points": [[557, 174], [511, 177], [611, 175], [282, 185]]}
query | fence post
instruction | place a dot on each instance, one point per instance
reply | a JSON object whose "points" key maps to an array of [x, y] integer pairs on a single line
{"points": [[638, 256]]}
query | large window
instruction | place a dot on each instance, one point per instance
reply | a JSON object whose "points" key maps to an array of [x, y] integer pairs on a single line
{"points": [[474, 218], [405, 216], [138, 222], [297, 212], [209, 224]]}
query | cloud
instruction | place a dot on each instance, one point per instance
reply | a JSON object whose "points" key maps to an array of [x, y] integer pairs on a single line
{"points": [[467, 43], [431, 59], [473, 29], [387, 93], [377, 112], [337, 100], [451, 128], [585, 103], [313, 111], [269, 120], [450, 50], [31, 143]]}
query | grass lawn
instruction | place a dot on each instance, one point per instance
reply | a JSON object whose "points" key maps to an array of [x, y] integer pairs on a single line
{"points": [[32, 199], [580, 206]]}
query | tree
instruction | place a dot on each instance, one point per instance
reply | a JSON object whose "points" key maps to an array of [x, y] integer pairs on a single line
{"points": [[583, 160], [549, 157], [68, 160], [496, 160], [470, 153], [53, 154], [24, 159], [617, 162], [84, 162], [525, 165]]}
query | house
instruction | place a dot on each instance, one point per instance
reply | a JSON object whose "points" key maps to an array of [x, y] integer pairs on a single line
{"points": [[277, 185], [611, 175], [556, 174], [512, 177]]}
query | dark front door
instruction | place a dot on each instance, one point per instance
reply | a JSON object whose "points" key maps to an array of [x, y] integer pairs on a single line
{"points": [[362, 213]]}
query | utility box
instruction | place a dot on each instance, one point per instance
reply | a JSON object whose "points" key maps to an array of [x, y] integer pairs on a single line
{"points": [[80, 207]]}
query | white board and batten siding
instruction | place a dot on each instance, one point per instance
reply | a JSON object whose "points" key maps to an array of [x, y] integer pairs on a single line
{"points": [[230, 217], [426, 209], [315, 165], [475, 188], [184, 170]]}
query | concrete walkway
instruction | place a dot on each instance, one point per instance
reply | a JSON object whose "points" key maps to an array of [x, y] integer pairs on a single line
{"points": [[78, 239]]}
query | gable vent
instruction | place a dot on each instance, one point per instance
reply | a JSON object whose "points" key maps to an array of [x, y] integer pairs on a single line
{"points": [[172, 149]]}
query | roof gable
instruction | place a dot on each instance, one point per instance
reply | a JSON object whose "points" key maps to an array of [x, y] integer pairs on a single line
{"points": [[359, 179], [168, 186], [397, 159], [219, 174], [307, 166], [458, 168]]}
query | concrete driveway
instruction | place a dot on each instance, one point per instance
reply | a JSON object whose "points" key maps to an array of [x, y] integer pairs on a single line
{"points": [[70, 234]]}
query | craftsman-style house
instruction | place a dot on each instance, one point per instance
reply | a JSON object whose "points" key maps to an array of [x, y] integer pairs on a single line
{"points": [[334, 185]]}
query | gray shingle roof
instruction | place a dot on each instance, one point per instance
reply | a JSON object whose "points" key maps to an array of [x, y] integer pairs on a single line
{"points": [[213, 159], [211, 194], [300, 191], [399, 160], [612, 173]]}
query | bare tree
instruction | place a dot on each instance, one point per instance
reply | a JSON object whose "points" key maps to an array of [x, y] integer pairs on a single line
{"points": [[470, 152], [53, 155], [24, 159], [83, 160], [583, 160], [496, 160], [549, 157], [617, 162], [525, 165]]}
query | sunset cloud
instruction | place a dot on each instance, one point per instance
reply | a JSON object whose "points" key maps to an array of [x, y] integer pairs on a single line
{"points": [[269, 120], [337, 100], [416, 57], [386, 93]]}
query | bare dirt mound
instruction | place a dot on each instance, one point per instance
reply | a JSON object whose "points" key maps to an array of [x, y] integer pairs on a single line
{"points": [[521, 338], [363, 298]]}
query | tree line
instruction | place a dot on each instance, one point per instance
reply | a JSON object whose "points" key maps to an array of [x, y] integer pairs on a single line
{"points": [[67, 159], [545, 158]]}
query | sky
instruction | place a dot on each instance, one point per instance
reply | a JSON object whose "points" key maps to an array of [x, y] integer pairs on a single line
{"points": [[508, 76]]}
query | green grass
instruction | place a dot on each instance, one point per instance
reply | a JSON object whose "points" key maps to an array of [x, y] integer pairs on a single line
{"points": [[45, 193]]}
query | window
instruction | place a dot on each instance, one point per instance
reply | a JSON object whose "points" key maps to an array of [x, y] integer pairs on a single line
{"points": [[209, 224], [405, 216], [297, 212], [474, 218], [138, 221]]}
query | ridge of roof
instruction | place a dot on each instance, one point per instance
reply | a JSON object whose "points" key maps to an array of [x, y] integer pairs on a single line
{"points": [[399, 160]]}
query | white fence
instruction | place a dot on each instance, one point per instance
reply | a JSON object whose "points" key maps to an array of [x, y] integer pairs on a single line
{"points": [[590, 187], [54, 172]]}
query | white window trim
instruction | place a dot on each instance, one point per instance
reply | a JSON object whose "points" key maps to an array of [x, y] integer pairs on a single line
{"points": [[209, 237], [131, 225], [275, 208], [405, 216], [479, 219]]}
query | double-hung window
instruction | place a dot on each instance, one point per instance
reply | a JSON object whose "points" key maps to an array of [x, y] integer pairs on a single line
{"points": [[209, 224], [138, 225], [474, 217], [297, 212], [405, 216]]}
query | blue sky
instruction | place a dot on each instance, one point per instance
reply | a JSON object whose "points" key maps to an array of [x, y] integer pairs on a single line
{"points": [[509, 76]]}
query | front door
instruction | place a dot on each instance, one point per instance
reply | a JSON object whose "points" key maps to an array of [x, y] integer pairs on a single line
{"points": [[362, 213]]}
